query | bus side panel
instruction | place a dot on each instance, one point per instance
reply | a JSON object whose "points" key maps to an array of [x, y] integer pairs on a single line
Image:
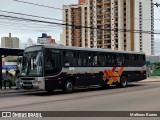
{"points": [[134, 76], [55, 82], [88, 79]]}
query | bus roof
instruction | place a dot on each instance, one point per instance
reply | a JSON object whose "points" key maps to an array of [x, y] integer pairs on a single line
{"points": [[87, 49]]}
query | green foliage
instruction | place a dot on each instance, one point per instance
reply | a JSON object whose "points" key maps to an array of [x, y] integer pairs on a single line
{"points": [[157, 66], [155, 69]]}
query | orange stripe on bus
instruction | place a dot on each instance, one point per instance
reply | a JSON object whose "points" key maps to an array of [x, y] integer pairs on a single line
{"points": [[113, 69], [111, 74], [120, 70]]}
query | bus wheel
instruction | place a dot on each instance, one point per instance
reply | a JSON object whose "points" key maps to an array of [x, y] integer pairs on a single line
{"points": [[68, 86], [123, 81]]}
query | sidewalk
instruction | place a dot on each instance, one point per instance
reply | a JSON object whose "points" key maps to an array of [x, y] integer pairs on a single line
{"points": [[12, 90], [152, 79]]}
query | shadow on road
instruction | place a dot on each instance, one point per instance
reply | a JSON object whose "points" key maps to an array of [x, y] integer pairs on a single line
{"points": [[80, 90]]}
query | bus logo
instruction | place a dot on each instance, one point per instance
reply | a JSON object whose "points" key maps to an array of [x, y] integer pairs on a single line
{"points": [[112, 75]]}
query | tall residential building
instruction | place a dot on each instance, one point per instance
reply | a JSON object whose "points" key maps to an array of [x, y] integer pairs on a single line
{"points": [[10, 42], [110, 24]]}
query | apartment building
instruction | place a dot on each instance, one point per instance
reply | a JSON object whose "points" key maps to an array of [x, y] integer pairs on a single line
{"points": [[110, 24], [10, 42]]}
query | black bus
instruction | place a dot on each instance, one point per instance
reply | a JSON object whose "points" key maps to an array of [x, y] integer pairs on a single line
{"points": [[60, 67]]}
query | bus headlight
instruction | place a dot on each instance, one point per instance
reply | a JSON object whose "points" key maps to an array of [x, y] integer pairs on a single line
{"points": [[38, 82]]}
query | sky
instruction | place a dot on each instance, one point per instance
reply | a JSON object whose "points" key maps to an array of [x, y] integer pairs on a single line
{"points": [[31, 30], [24, 30]]}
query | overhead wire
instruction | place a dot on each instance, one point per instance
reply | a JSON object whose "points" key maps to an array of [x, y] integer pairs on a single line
{"points": [[56, 19], [48, 22]]}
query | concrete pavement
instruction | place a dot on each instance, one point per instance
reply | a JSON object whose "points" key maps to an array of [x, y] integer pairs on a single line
{"points": [[152, 79], [136, 97]]}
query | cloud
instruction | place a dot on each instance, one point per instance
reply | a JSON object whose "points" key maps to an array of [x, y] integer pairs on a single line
{"points": [[31, 30]]}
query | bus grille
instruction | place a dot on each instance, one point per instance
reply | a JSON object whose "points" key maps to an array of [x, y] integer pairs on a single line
{"points": [[27, 78], [27, 82]]}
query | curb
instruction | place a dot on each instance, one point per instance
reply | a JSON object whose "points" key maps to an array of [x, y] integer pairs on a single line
{"points": [[150, 80], [18, 91]]}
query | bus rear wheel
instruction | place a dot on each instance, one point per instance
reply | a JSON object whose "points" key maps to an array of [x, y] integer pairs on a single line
{"points": [[68, 86], [123, 82]]}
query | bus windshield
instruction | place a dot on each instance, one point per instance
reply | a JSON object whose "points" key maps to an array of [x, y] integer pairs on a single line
{"points": [[32, 64]]}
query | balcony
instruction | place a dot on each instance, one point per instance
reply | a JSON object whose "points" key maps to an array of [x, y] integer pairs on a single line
{"points": [[107, 38], [99, 39], [99, 3], [107, 7], [107, 18], [107, 44], [107, 1], [107, 22]]}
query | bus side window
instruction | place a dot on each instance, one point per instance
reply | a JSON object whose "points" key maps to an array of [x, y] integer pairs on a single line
{"points": [[108, 59], [124, 59], [56, 61], [48, 63], [95, 59], [120, 59], [131, 60], [52, 62], [70, 58], [84, 56], [101, 59], [114, 59], [90, 59], [65, 57], [141, 60]]}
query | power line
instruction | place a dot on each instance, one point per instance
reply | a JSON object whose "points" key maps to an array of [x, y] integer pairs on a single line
{"points": [[53, 18], [110, 29], [36, 16], [79, 27], [28, 24], [35, 26], [40, 5], [30, 15], [45, 17]]}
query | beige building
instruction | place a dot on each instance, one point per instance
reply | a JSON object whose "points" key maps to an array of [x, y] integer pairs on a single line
{"points": [[110, 24], [10, 42]]}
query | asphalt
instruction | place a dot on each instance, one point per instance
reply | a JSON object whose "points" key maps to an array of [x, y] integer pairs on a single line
{"points": [[8, 90], [144, 96]]}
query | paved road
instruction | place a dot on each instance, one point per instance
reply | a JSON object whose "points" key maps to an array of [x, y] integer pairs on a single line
{"points": [[136, 97]]}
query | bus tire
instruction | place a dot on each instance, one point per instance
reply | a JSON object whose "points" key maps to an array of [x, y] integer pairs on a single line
{"points": [[123, 81], [68, 86]]}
